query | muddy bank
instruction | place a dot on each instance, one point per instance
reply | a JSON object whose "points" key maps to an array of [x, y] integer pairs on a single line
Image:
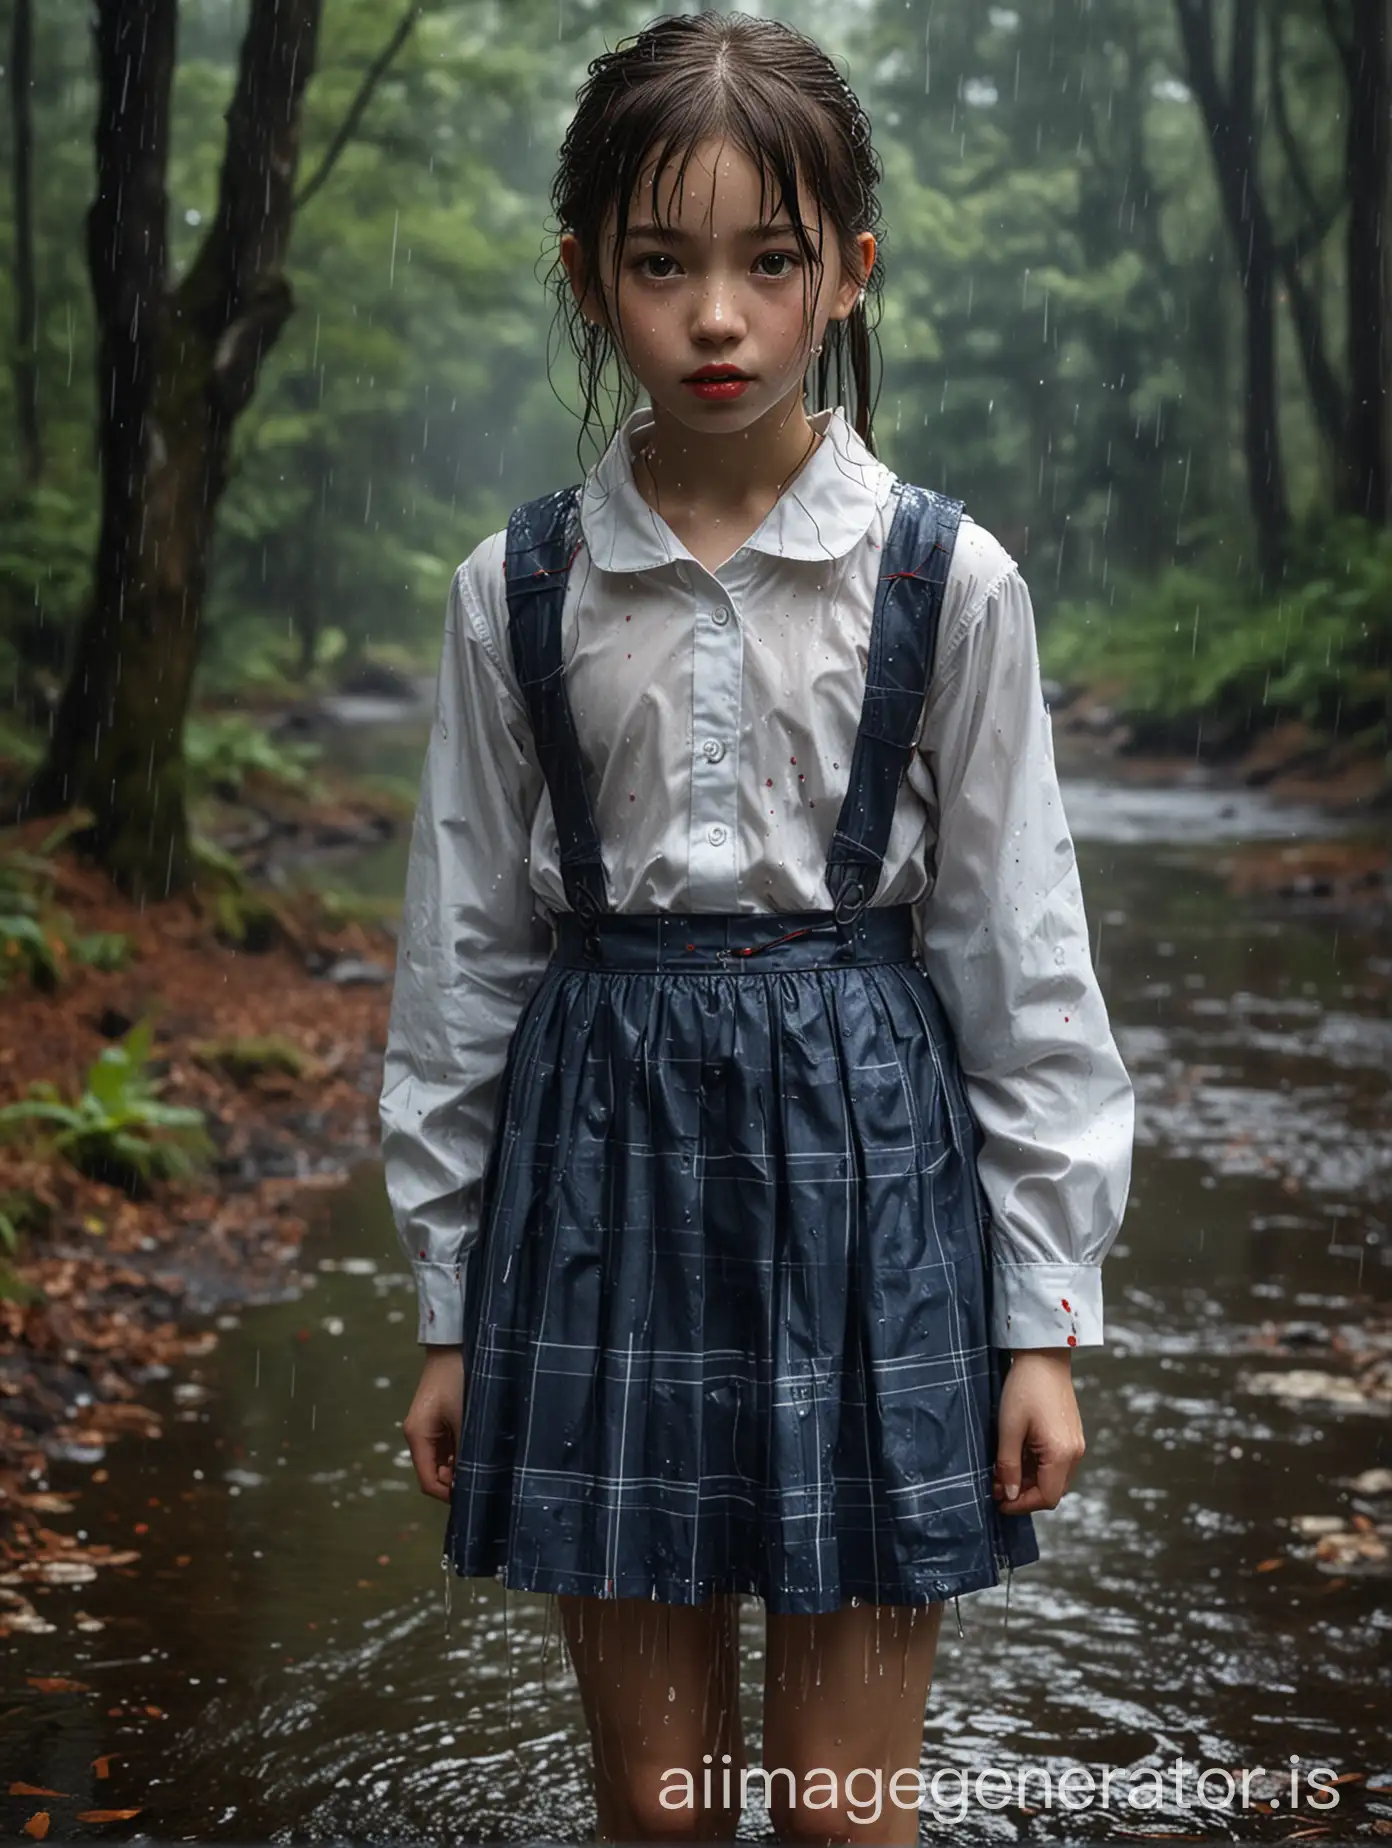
{"points": [[1350, 875], [269, 1014]]}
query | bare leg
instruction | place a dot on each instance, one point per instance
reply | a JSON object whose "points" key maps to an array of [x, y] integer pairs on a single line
{"points": [[847, 1691], [660, 1686]]}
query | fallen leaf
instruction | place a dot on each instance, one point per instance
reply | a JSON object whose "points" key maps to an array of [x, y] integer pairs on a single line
{"points": [[36, 1790], [102, 1765], [37, 1825], [106, 1815], [1270, 1565], [57, 1684]]}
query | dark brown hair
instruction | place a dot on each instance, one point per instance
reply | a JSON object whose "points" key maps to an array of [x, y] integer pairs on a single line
{"points": [[778, 96]]}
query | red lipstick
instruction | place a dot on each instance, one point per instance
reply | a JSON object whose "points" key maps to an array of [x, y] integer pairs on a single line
{"points": [[718, 382]]}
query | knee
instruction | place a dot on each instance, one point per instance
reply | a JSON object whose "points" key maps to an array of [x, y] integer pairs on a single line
{"points": [[661, 1810], [861, 1816], [794, 1822]]}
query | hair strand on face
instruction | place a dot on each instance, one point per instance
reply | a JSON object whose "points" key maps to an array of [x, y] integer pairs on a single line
{"points": [[777, 96]]}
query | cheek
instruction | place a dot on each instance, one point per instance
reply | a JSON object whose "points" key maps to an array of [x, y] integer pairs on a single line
{"points": [[791, 320], [646, 318]]}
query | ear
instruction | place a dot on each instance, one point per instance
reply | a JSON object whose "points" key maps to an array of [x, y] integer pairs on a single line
{"points": [[571, 256], [852, 283]]}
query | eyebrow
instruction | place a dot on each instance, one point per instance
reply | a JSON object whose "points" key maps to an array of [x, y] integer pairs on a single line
{"points": [[666, 234]]}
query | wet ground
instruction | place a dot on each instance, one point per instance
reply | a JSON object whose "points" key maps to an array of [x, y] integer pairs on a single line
{"points": [[279, 1665]]}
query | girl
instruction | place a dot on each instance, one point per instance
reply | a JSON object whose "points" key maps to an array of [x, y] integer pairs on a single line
{"points": [[751, 1114]]}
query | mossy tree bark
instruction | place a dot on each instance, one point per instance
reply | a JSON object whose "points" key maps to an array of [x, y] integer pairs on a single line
{"points": [[176, 368]]}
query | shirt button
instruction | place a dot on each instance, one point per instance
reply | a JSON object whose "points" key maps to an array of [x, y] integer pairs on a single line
{"points": [[717, 835], [720, 617], [713, 750]]}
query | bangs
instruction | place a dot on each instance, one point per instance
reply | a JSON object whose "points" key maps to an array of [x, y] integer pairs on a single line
{"points": [[659, 141]]}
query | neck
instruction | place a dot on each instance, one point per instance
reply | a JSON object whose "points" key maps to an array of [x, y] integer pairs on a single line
{"points": [[724, 473]]}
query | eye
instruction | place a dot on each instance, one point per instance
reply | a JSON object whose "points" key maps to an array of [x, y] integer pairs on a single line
{"points": [[654, 256], [779, 256]]}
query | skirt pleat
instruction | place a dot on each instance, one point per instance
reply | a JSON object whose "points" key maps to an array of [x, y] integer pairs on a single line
{"points": [[727, 1328]]}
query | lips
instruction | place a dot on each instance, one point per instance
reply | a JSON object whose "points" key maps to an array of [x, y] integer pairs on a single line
{"points": [[718, 382]]}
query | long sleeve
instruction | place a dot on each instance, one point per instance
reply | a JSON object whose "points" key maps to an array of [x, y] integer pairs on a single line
{"points": [[1005, 941], [470, 952]]}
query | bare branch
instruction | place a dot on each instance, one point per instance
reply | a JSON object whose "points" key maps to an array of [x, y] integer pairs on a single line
{"points": [[371, 78]]}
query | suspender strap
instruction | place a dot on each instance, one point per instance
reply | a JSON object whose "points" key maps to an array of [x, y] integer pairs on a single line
{"points": [[542, 538], [903, 640]]}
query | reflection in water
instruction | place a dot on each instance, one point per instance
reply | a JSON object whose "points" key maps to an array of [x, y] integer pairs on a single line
{"points": [[288, 1619]]}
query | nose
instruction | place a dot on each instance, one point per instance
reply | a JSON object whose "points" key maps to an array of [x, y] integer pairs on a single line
{"points": [[717, 317]]}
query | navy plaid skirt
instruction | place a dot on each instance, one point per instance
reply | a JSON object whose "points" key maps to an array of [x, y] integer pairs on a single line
{"points": [[726, 1329]]}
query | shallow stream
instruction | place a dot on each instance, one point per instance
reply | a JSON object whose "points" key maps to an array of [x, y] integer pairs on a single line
{"points": [[278, 1666]]}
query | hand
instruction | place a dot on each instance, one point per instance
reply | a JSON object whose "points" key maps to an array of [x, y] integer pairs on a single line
{"points": [[432, 1425], [1040, 1440]]}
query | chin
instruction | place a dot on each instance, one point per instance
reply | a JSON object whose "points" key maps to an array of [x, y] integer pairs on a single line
{"points": [[696, 414]]}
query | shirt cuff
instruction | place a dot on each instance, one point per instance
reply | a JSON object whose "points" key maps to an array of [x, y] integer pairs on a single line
{"points": [[1046, 1305], [440, 1300]]}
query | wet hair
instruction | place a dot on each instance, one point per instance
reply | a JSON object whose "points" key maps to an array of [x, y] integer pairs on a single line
{"points": [[776, 95]]}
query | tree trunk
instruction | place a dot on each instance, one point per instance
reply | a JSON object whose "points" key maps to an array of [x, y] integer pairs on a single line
{"points": [[1369, 298], [175, 370], [25, 364], [1230, 120]]}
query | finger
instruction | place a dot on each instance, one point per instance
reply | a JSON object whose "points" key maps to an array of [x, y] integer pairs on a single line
{"points": [[446, 1450], [1053, 1480], [1010, 1439], [424, 1460]]}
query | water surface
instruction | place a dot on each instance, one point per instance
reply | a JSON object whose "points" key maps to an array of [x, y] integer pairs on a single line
{"points": [[280, 1665]]}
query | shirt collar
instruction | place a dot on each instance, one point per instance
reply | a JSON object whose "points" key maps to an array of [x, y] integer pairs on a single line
{"points": [[825, 510]]}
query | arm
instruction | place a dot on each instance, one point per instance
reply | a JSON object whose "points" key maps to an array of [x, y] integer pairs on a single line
{"points": [[1005, 941], [470, 952]]}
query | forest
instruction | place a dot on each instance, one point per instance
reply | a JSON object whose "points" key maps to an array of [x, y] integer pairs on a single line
{"points": [[280, 346], [280, 350]]}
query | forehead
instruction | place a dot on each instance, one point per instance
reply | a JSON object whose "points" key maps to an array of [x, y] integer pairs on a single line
{"points": [[713, 182]]}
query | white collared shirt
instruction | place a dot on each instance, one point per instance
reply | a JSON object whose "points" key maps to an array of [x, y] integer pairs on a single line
{"points": [[716, 713]]}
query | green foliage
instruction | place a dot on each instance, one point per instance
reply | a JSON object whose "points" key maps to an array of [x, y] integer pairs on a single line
{"points": [[22, 1214], [1193, 644], [222, 752], [1061, 338], [20, 744], [37, 938], [117, 1130], [250, 1056], [248, 920]]}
